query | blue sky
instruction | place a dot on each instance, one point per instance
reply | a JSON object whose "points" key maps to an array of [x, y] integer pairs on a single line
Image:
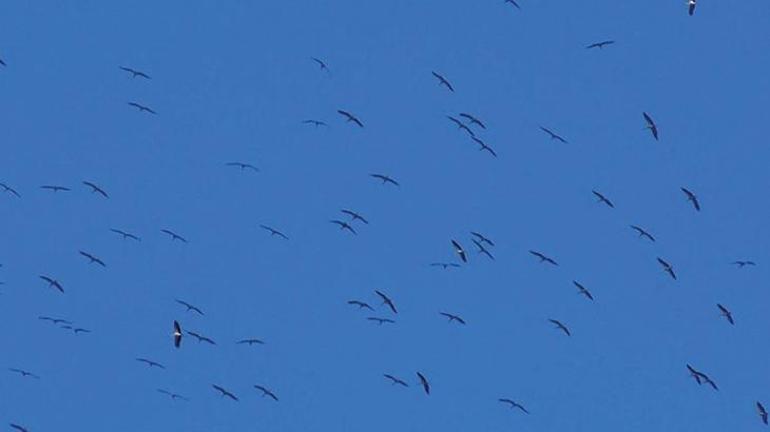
{"points": [[232, 81]]}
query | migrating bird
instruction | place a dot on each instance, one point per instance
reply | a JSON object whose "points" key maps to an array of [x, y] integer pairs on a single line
{"points": [[343, 225], [553, 135], [560, 326], [726, 313], [266, 392], [189, 307], [544, 258], [603, 199], [10, 190], [582, 290], [381, 321], [224, 392], [55, 188], [667, 268], [75, 330], [482, 238], [453, 317], [762, 412], [55, 321], [173, 396], [514, 404], [201, 338], [321, 64], [651, 125], [93, 259], [174, 236], [150, 363], [360, 304], [354, 216], [484, 146], [274, 232], [351, 118], [742, 264], [473, 120], [395, 380], [141, 107], [385, 179], [691, 197], [135, 73], [482, 249], [512, 2], [387, 301], [96, 189], [18, 428], [444, 265], [177, 334], [459, 251], [443, 81], [243, 166], [125, 234], [691, 7], [701, 377], [315, 123], [250, 342], [642, 232], [461, 125], [424, 382], [601, 44], [24, 373], [52, 283]]}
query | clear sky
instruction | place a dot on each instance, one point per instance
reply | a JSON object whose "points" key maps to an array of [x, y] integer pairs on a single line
{"points": [[233, 81]]}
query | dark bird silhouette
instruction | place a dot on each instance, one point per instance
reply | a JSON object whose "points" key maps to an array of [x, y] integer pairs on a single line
{"points": [[424, 382], [224, 392], [52, 282], [473, 120], [603, 199], [726, 313], [201, 338], [150, 363], [360, 304], [667, 268], [266, 392], [9, 190], [560, 326], [691, 7], [135, 73], [385, 179], [695, 374], [601, 44], [444, 265], [75, 330], [461, 125], [351, 118], [762, 412], [174, 236], [513, 3], [343, 225], [189, 307], [55, 321], [250, 342], [55, 188], [396, 381], [24, 373], [177, 334], [553, 135], [582, 290], [387, 301], [126, 235], [701, 377], [93, 259], [513, 404], [141, 107], [381, 321], [18, 428], [274, 232], [651, 125], [482, 249], [173, 396], [482, 238], [692, 198], [315, 123], [459, 251], [243, 166], [544, 258], [642, 232], [742, 264], [321, 64], [96, 189], [484, 146], [443, 81], [453, 317], [355, 216]]}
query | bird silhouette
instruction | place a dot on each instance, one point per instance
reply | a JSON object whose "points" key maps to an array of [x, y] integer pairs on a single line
{"points": [[396, 381], [360, 304], [726, 313], [321, 64], [224, 392], [52, 283], [250, 342], [512, 3], [482, 249], [55, 321], [135, 73], [173, 396], [461, 125], [424, 382], [453, 317], [742, 264], [387, 301], [343, 225], [459, 251], [690, 7], [243, 166], [174, 236], [55, 188], [692, 198], [177, 334], [189, 307], [315, 123], [513, 404], [444, 265], [126, 235], [385, 179], [762, 412], [582, 290], [473, 120], [150, 363], [381, 321], [553, 135], [543, 258], [201, 338], [601, 44], [701, 377], [351, 118], [482, 238], [354, 216], [24, 373], [667, 268], [603, 199], [18, 428], [642, 232], [92, 258], [9, 190], [443, 81], [484, 146], [274, 232], [142, 108], [96, 189], [560, 326], [651, 125], [266, 392]]}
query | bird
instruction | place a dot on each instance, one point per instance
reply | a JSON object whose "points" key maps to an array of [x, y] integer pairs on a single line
{"points": [[141, 107], [126, 235], [135, 73], [453, 317], [10, 190], [692, 198], [96, 189], [55, 188], [444, 265], [484, 146], [381, 321], [224, 392], [2, 63], [396, 381], [460, 251], [75, 330], [24, 373], [189, 307], [93, 259], [443, 81], [690, 7], [583, 290], [544, 258], [695, 374], [514, 404], [701, 377], [726, 313], [513, 3], [473, 120], [315, 123], [174, 236], [651, 125], [343, 225], [762, 412], [201, 338], [461, 125], [387, 301], [601, 44], [243, 166], [177, 334], [173, 396], [385, 179], [250, 342], [482, 249], [266, 392], [642, 232], [482, 238], [742, 264], [18, 428], [560, 326], [54, 320], [351, 118], [52, 282], [360, 304], [424, 382], [355, 216], [603, 199], [553, 135], [150, 363], [321, 64], [667, 268], [274, 232]]}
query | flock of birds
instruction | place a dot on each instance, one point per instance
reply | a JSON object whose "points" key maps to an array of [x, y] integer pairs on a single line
{"points": [[470, 124]]}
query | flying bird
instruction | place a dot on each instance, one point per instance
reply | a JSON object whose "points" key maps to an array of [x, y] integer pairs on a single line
{"points": [[93, 259], [484, 146], [460, 251], [387, 301], [135, 73], [75, 330], [560, 326], [651, 125], [141, 107], [701, 377], [177, 334], [55, 188], [354, 216], [243, 166], [762, 412], [321, 64], [343, 225], [381, 321], [55, 321], [351, 118], [443, 81], [482, 249], [726, 313], [513, 3], [360, 304], [603, 199], [201, 338], [250, 342], [513, 404], [173, 396], [24, 373], [10, 190], [742, 264], [174, 236], [315, 123], [274, 232], [150, 363], [396, 381], [444, 265], [126, 235], [18, 428], [385, 179], [601, 44], [224, 392], [582, 290], [692, 198], [667, 268], [266, 392], [642, 232], [453, 317], [482, 238], [473, 120], [461, 125], [553, 135], [96, 189], [424, 382], [52, 282], [544, 258], [189, 307], [691, 7]]}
